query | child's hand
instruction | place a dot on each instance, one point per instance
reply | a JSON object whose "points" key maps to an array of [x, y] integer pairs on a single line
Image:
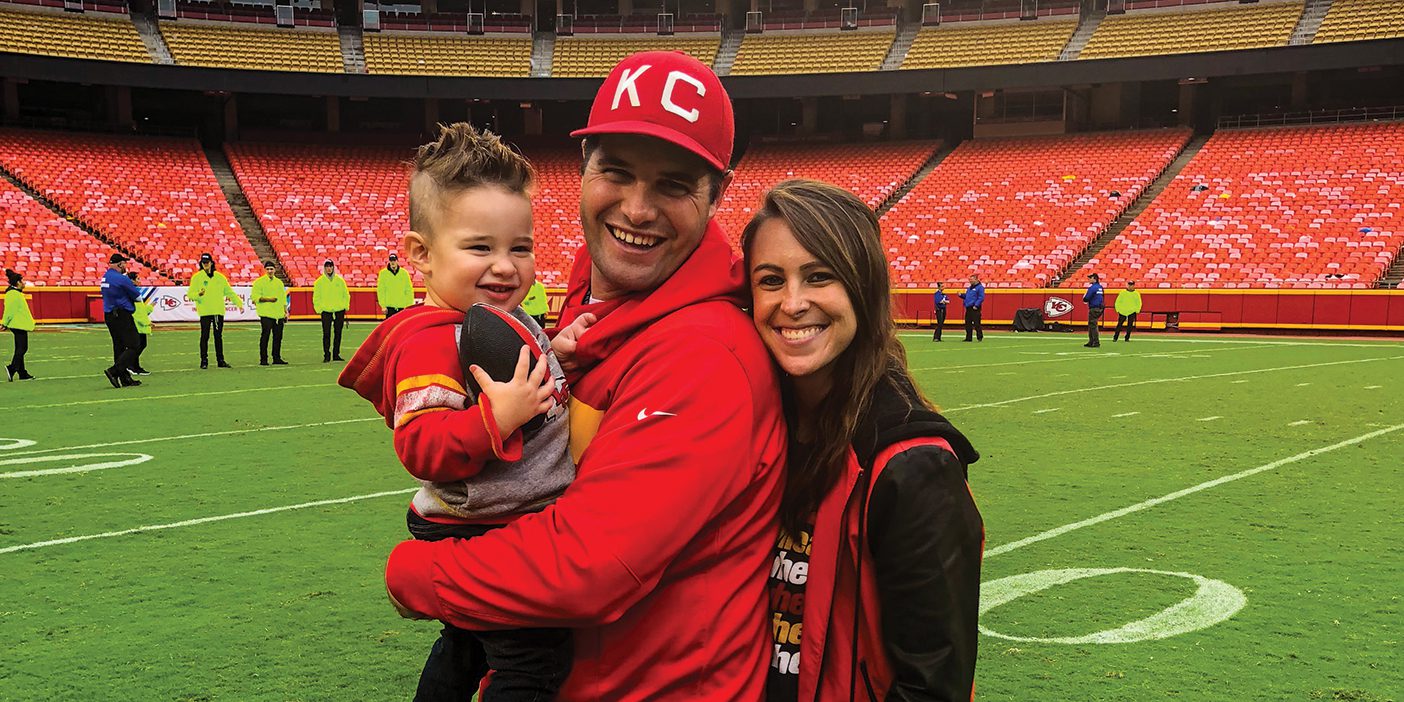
{"points": [[568, 339], [521, 398]]}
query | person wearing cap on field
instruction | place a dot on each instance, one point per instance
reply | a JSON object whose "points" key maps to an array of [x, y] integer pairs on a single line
{"points": [[270, 299], [18, 321], [208, 290], [1096, 305], [331, 299], [657, 554], [119, 296], [394, 290], [1128, 305]]}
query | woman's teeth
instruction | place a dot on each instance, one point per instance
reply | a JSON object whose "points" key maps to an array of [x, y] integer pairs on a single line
{"points": [[635, 239], [800, 334]]}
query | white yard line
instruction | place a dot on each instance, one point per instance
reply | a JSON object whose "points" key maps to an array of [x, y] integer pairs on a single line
{"points": [[1124, 414], [1077, 356], [1373, 387], [1046, 411], [138, 398], [1114, 514], [202, 520], [1156, 381], [1063, 339], [1209, 419], [183, 437], [1299, 422], [273, 369]]}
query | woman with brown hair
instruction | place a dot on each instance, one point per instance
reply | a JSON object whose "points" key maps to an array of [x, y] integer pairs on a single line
{"points": [[875, 583]]}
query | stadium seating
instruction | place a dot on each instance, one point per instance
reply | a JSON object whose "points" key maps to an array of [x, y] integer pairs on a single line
{"points": [[228, 46], [1354, 20], [835, 52], [111, 38], [49, 250], [1300, 207], [1017, 211], [448, 54], [872, 171], [346, 203], [1155, 33], [156, 196], [950, 46], [588, 58]]}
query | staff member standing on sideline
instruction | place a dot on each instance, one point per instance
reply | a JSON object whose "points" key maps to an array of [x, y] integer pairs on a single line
{"points": [[141, 317], [1128, 305], [270, 299], [394, 290], [331, 299], [209, 289], [119, 296], [1096, 305], [534, 304], [974, 297], [941, 299], [18, 320]]}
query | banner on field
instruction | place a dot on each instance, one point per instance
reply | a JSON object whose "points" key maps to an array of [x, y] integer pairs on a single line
{"points": [[169, 304]]}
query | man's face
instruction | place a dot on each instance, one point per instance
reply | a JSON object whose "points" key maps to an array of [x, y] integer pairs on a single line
{"points": [[207, 266], [394, 266], [121, 266], [268, 270], [974, 280], [644, 206], [328, 269]]}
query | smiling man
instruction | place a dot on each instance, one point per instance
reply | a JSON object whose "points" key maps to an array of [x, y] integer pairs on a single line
{"points": [[657, 554]]}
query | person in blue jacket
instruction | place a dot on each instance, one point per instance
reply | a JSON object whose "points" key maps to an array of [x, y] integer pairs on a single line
{"points": [[1096, 305], [940, 299], [974, 297], [119, 296]]}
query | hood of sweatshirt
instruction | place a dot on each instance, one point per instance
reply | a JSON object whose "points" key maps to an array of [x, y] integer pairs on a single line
{"points": [[895, 417], [368, 370], [711, 273]]}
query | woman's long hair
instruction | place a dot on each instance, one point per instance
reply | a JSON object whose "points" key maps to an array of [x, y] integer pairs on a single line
{"points": [[840, 230]]}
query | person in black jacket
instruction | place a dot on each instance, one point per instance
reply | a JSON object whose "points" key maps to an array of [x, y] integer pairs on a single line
{"points": [[871, 462]]}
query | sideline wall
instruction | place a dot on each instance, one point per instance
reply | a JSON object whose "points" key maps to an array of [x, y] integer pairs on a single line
{"points": [[1323, 310]]}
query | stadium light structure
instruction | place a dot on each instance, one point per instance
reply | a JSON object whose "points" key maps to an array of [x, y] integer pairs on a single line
{"points": [[931, 14]]}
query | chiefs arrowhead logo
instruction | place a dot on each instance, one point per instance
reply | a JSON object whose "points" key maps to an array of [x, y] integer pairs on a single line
{"points": [[1056, 307], [168, 303]]}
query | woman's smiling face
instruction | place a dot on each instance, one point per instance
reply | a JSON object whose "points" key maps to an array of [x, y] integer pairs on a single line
{"points": [[802, 311]]}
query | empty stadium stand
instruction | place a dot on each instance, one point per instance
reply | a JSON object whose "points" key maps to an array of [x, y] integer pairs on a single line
{"points": [[157, 197], [345, 203], [49, 250], [1356, 20], [448, 54], [872, 171], [1187, 31], [950, 46], [108, 38], [252, 47], [834, 52], [1297, 207], [1019, 210], [577, 57]]}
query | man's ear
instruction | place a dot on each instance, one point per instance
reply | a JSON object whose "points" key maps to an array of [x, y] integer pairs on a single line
{"points": [[722, 186], [416, 251]]}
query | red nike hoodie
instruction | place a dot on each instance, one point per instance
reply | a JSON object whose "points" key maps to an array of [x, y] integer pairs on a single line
{"points": [[657, 554]]}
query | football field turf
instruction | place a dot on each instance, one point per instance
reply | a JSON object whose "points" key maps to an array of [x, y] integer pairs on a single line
{"points": [[1178, 518]]}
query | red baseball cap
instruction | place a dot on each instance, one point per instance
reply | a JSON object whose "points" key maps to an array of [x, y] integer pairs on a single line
{"points": [[668, 95]]}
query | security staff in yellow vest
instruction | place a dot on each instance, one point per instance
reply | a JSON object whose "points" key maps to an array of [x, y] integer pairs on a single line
{"points": [[1128, 304], [394, 290], [141, 317], [208, 290], [270, 299], [18, 320], [331, 299]]}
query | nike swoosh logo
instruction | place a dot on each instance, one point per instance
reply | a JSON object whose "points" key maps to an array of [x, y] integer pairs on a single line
{"points": [[644, 413]]}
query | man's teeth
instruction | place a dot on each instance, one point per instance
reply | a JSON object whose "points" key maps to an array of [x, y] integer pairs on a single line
{"points": [[800, 334], [635, 239]]}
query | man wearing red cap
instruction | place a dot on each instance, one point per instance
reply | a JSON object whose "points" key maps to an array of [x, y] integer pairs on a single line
{"points": [[657, 554]]}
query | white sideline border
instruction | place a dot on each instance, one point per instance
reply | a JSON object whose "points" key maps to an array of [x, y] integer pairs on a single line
{"points": [[1079, 356], [1385, 343], [139, 398], [182, 437]]}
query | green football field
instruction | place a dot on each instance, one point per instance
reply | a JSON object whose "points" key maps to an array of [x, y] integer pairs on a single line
{"points": [[1179, 518]]}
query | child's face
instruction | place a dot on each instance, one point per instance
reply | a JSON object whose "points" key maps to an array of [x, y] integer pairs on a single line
{"points": [[480, 250]]}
